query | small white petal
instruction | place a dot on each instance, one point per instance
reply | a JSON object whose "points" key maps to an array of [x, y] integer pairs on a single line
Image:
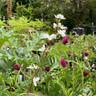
{"points": [[53, 36], [35, 80], [59, 16], [85, 57], [62, 32], [54, 25], [42, 49]]}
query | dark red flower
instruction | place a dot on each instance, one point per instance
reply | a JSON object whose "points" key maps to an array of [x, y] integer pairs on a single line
{"points": [[85, 73], [51, 26], [63, 62], [16, 67], [65, 40], [47, 68], [72, 41], [86, 54], [69, 54]]}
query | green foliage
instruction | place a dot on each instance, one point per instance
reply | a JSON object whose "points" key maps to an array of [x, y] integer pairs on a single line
{"points": [[22, 24], [37, 24], [2, 23], [6, 35], [21, 10]]}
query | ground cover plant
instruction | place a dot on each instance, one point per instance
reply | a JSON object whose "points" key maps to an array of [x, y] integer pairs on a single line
{"points": [[46, 64]]}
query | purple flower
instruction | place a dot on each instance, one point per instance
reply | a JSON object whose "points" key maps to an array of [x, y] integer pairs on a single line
{"points": [[69, 54], [86, 54], [63, 62], [85, 73], [47, 68], [16, 67], [3, 48], [65, 40]]}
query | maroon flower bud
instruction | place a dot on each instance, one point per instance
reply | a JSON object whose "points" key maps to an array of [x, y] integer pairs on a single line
{"points": [[86, 54], [93, 67], [63, 62], [65, 40], [85, 73], [71, 68], [92, 87], [51, 26], [47, 68], [72, 41], [16, 67], [69, 54], [75, 54], [29, 30]]}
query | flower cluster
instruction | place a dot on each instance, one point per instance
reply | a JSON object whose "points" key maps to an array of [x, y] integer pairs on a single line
{"points": [[59, 27], [49, 37], [59, 16]]}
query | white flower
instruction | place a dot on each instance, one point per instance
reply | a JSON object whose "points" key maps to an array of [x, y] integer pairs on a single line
{"points": [[93, 65], [54, 25], [85, 57], [62, 32], [33, 67], [50, 38], [35, 80], [59, 16], [8, 48], [94, 47], [63, 28], [30, 67], [42, 49], [59, 25], [20, 78], [53, 36], [45, 36]]}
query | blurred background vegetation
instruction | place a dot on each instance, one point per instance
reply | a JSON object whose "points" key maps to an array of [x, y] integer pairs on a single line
{"points": [[78, 13]]}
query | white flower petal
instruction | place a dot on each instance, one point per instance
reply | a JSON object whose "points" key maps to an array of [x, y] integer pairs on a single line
{"points": [[42, 49], [59, 16], [62, 32], [35, 80], [54, 25]]}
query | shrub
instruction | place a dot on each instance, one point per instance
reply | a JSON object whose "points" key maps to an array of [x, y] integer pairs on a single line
{"points": [[2, 23]]}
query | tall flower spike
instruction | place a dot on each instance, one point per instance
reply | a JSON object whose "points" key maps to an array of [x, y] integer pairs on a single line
{"points": [[63, 62], [65, 40]]}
